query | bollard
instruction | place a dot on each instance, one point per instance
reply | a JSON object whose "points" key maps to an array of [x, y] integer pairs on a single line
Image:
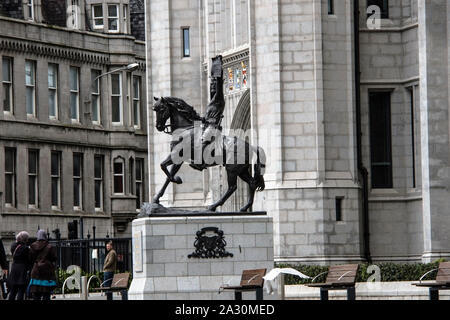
{"points": [[282, 288], [84, 288]]}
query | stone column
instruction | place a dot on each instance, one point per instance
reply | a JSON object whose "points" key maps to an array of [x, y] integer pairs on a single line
{"points": [[434, 105]]}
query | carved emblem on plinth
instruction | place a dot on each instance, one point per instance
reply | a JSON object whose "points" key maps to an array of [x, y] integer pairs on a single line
{"points": [[210, 243]]}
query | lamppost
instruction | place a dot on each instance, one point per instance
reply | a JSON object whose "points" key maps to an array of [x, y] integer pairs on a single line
{"points": [[131, 67]]}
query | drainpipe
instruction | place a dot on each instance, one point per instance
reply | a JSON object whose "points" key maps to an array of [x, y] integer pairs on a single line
{"points": [[363, 173]]}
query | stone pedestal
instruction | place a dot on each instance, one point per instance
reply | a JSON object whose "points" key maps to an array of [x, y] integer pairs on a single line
{"points": [[165, 265]]}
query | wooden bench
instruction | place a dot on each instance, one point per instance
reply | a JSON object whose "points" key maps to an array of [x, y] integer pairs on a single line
{"points": [[442, 281], [119, 283], [251, 280], [341, 277]]}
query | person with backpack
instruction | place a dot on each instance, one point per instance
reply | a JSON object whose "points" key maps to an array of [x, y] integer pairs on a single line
{"points": [[43, 258], [18, 277]]}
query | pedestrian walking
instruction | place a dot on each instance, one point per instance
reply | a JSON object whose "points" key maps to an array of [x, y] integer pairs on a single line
{"points": [[109, 267], [43, 258], [18, 278], [4, 270]]}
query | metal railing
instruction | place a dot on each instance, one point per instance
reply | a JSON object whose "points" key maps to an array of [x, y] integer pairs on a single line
{"points": [[89, 254]]}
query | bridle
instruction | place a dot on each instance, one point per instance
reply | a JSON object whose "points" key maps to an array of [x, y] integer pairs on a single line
{"points": [[168, 128]]}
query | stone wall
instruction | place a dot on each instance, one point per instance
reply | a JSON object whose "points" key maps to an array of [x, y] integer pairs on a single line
{"points": [[389, 62], [137, 19], [12, 8], [306, 230], [54, 12], [163, 269], [396, 230]]}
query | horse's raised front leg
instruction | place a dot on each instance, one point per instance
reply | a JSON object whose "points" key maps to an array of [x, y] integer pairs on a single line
{"points": [[232, 186], [171, 175], [252, 184], [173, 172]]}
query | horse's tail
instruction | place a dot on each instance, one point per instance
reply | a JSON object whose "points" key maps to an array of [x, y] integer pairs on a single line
{"points": [[259, 168]]}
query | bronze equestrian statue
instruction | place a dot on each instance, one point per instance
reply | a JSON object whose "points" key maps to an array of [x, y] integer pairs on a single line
{"points": [[186, 142]]}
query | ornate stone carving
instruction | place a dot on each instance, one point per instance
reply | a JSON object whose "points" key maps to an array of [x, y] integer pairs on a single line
{"points": [[210, 243]]}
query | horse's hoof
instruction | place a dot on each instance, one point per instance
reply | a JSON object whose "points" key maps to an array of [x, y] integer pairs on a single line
{"points": [[212, 208], [243, 210], [177, 180]]}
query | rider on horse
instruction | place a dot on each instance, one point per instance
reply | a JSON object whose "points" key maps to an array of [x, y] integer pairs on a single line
{"points": [[214, 110]]}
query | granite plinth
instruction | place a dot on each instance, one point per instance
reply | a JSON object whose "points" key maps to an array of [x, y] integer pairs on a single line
{"points": [[164, 266]]}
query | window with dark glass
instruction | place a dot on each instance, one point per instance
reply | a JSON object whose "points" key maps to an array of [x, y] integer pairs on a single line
{"points": [[116, 98], [53, 90], [380, 139], [136, 101], [113, 18], [330, 6], [97, 16], [131, 175], [10, 176], [77, 180], [30, 9], [338, 203], [30, 87], [118, 172], [74, 94], [95, 95], [413, 139], [33, 184], [139, 179], [56, 178], [98, 181], [382, 4], [186, 43], [7, 81]]}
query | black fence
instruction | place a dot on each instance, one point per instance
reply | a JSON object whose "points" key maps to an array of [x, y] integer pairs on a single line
{"points": [[89, 254]]}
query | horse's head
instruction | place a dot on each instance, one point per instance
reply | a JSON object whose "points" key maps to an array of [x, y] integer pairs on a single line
{"points": [[162, 113]]}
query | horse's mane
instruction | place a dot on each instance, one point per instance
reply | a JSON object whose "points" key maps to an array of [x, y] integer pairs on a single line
{"points": [[183, 107]]}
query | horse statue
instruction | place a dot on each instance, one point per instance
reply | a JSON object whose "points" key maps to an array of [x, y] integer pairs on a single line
{"points": [[186, 142]]}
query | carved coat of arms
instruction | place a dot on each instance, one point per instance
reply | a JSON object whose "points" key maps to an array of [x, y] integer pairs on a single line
{"points": [[210, 243]]}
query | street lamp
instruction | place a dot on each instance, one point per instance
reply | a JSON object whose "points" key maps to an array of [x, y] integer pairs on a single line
{"points": [[131, 67]]}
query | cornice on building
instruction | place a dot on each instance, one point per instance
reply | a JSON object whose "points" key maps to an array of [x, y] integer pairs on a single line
{"points": [[68, 51]]}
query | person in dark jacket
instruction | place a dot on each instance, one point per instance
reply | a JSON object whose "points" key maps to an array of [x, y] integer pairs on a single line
{"points": [[3, 261], [43, 258], [18, 277], [4, 265]]}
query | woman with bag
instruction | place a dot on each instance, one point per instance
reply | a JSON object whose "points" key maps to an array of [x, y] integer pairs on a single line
{"points": [[18, 277], [43, 257]]}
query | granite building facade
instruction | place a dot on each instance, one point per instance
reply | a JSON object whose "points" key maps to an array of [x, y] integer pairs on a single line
{"points": [[73, 120], [353, 116]]}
